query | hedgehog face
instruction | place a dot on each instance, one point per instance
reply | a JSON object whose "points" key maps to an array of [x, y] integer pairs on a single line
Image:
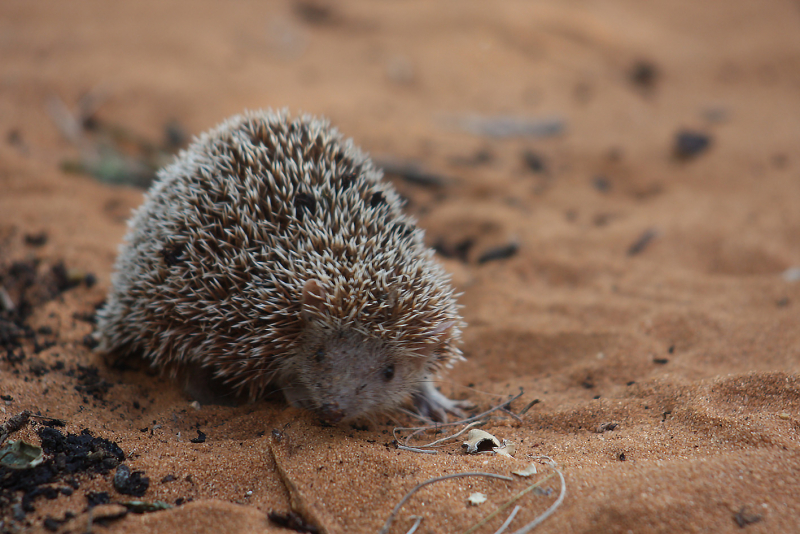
{"points": [[344, 374], [342, 370]]}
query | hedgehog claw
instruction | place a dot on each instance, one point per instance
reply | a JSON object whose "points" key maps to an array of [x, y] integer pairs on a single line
{"points": [[431, 404]]}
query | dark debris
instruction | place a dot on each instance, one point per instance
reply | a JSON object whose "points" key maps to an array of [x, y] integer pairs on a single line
{"points": [[25, 285], [36, 240], [66, 456], [293, 521], [744, 518], [315, 13], [90, 382], [412, 173], [460, 250], [130, 483], [482, 156], [499, 253], [97, 498], [534, 162], [644, 74], [690, 144], [601, 183], [641, 243]]}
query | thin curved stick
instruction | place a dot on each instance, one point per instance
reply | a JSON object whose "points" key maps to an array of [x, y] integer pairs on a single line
{"points": [[512, 414], [421, 485], [536, 522], [451, 436], [508, 521], [487, 412], [511, 501], [414, 449], [414, 527], [468, 421]]}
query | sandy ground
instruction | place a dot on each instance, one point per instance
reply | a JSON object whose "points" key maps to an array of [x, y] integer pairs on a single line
{"points": [[690, 343]]}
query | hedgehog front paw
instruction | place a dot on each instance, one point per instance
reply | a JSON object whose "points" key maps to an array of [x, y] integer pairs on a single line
{"points": [[431, 404]]}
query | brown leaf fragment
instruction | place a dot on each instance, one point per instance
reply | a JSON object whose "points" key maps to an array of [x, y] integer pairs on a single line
{"points": [[744, 518]]}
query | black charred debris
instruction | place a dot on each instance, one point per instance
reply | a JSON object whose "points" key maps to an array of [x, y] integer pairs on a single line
{"points": [[68, 455]]}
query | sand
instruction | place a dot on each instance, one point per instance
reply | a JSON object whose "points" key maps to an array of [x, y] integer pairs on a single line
{"points": [[688, 343]]}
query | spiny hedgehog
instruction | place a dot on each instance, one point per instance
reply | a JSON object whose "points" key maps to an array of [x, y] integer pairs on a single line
{"points": [[271, 254]]}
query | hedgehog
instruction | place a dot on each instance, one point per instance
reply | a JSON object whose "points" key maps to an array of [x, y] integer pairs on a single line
{"points": [[271, 255]]}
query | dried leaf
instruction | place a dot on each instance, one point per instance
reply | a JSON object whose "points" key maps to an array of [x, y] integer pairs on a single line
{"points": [[528, 471], [20, 455], [508, 448]]}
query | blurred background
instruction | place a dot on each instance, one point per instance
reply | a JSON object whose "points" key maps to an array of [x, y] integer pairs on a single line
{"points": [[584, 102]]}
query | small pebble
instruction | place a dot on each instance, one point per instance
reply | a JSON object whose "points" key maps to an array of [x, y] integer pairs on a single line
{"points": [[36, 240], [601, 183], [499, 253], [52, 524], [534, 162], [644, 74], [689, 144]]}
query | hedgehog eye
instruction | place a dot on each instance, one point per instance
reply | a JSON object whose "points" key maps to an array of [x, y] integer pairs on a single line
{"points": [[319, 356], [388, 372]]}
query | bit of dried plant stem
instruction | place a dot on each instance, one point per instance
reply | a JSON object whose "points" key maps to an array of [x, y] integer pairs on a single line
{"points": [[508, 521], [442, 440], [421, 485], [547, 513], [512, 414], [530, 405], [536, 522], [14, 424], [415, 449], [505, 505], [470, 422], [417, 520]]}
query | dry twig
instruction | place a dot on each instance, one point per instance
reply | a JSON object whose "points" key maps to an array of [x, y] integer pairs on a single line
{"points": [[421, 485], [547, 513], [511, 501], [470, 422], [508, 521]]}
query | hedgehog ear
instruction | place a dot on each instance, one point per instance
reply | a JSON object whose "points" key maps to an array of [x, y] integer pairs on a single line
{"points": [[313, 299]]}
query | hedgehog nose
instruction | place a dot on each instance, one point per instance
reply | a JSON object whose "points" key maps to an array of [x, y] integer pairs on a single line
{"points": [[331, 413]]}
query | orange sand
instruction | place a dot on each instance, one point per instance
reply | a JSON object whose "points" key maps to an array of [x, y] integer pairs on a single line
{"points": [[572, 318]]}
